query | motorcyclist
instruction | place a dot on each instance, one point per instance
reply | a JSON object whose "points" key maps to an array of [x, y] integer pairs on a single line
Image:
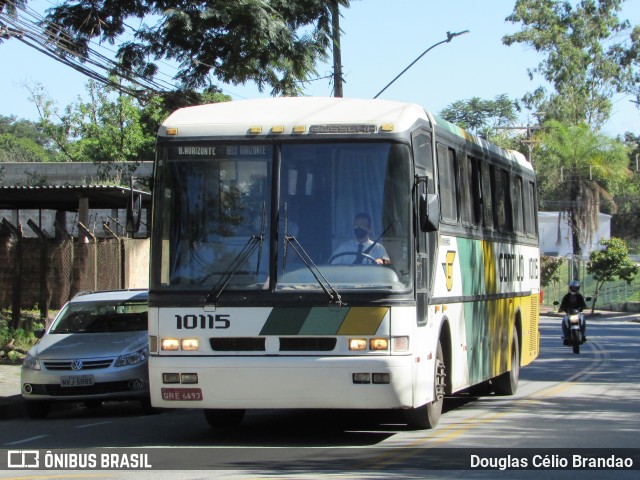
{"points": [[573, 300]]}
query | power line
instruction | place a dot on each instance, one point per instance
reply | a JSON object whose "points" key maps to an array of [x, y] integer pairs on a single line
{"points": [[59, 46]]}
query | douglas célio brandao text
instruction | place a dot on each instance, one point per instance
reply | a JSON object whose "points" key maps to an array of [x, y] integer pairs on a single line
{"points": [[551, 461]]}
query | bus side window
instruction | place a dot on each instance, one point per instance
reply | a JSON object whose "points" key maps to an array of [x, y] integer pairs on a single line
{"points": [[486, 194], [470, 198], [424, 158], [530, 210], [502, 200], [447, 183], [516, 202]]}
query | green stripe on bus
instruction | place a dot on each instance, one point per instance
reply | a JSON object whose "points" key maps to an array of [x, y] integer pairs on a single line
{"points": [[285, 321], [471, 257], [324, 321]]}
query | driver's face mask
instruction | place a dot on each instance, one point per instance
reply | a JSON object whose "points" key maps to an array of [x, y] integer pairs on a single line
{"points": [[360, 232]]}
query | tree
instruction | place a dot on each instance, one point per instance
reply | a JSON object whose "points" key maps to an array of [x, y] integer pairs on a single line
{"points": [[613, 261], [550, 271], [274, 43], [578, 166], [625, 224], [590, 55], [481, 116], [23, 141]]}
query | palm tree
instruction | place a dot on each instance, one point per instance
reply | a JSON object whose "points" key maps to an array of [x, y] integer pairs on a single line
{"points": [[579, 166]]}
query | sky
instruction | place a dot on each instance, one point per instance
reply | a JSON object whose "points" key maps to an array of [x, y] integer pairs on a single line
{"points": [[380, 38]]}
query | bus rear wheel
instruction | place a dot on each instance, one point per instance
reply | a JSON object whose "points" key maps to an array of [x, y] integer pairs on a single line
{"points": [[427, 416], [223, 418]]}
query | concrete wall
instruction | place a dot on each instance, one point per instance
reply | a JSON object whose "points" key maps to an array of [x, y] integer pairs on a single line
{"points": [[136, 263]]}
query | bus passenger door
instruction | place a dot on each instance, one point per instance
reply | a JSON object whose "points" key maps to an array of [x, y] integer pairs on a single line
{"points": [[425, 241]]}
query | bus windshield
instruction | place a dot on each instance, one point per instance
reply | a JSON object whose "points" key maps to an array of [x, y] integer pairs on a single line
{"points": [[342, 216]]}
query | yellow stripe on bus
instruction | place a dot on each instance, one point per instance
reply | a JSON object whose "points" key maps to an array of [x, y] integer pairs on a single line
{"points": [[363, 320]]}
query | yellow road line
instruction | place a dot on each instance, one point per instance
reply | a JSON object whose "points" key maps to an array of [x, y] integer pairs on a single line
{"points": [[447, 434]]}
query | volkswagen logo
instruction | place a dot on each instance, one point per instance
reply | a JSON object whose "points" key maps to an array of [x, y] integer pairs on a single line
{"points": [[76, 365]]}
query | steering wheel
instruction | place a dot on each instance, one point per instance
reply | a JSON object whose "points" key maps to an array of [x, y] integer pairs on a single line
{"points": [[364, 255]]}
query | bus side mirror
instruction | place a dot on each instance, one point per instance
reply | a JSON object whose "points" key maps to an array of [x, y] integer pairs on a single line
{"points": [[429, 212], [134, 210]]}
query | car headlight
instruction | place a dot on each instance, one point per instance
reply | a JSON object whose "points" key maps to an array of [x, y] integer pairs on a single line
{"points": [[31, 363], [133, 358]]}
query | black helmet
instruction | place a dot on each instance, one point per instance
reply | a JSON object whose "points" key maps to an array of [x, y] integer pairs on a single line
{"points": [[574, 285]]}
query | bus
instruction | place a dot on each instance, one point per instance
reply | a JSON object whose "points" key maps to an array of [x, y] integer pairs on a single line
{"points": [[258, 302]]}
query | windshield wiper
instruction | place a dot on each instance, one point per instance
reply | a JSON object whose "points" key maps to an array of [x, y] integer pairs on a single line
{"points": [[242, 256], [296, 246]]}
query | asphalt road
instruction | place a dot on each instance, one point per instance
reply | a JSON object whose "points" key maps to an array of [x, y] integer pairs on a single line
{"points": [[564, 402]]}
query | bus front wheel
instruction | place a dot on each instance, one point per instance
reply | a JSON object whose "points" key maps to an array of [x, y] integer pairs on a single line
{"points": [[428, 415], [223, 418]]}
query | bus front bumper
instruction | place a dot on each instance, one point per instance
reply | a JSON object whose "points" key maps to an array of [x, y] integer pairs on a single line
{"points": [[282, 382]]}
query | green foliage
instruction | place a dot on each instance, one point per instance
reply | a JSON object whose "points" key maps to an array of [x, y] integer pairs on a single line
{"points": [[611, 262], [481, 116], [590, 54], [550, 270], [274, 43], [625, 223], [576, 168], [17, 149], [23, 141], [110, 127], [18, 338]]}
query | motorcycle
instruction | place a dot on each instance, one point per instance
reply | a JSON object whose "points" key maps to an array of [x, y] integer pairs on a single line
{"points": [[573, 322]]}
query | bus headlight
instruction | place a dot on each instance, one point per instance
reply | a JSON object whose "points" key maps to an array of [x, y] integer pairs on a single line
{"points": [[190, 344], [170, 344], [379, 344], [359, 344]]}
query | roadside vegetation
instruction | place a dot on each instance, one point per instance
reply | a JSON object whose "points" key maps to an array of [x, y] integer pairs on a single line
{"points": [[14, 343]]}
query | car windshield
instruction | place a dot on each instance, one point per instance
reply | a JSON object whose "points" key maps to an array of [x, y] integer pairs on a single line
{"points": [[99, 317]]}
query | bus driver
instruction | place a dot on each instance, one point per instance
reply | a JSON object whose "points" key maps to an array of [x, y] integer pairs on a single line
{"points": [[365, 250]]}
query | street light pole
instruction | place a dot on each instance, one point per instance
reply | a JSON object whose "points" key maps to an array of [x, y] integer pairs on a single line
{"points": [[448, 39]]}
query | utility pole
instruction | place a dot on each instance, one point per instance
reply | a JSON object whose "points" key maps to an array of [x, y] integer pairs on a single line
{"points": [[529, 142], [337, 56]]}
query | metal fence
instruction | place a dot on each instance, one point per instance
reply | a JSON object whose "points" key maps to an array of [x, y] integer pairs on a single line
{"points": [[45, 273]]}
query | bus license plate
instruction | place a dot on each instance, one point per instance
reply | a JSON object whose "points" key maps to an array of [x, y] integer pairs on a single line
{"points": [[181, 394], [76, 381]]}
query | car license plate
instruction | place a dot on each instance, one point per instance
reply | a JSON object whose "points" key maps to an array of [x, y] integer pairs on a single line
{"points": [[76, 381], [181, 394]]}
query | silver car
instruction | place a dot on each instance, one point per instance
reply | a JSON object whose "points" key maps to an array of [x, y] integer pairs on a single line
{"points": [[96, 349]]}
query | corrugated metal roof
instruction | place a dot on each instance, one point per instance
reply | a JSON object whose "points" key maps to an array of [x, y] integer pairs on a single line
{"points": [[67, 197]]}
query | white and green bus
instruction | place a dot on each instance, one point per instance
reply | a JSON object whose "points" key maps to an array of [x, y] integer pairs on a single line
{"points": [[256, 300]]}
